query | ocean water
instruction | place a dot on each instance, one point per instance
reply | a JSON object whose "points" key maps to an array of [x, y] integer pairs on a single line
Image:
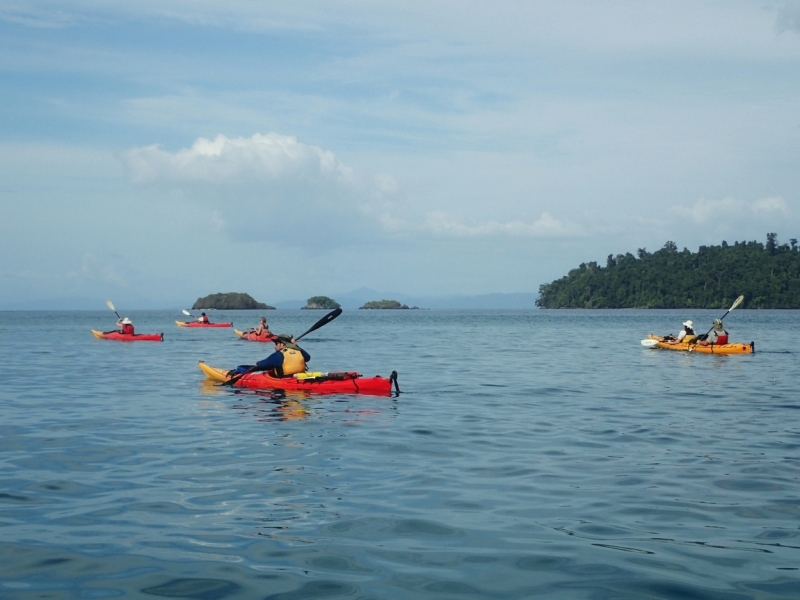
{"points": [[532, 454]]}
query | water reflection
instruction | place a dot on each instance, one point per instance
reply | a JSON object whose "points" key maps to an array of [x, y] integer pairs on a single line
{"points": [[275, 405]]}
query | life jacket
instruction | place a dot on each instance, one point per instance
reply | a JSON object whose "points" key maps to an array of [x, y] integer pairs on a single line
{"points": [[203, 319], [722, 338], [293, 362], [127, 329], [688, 338]]}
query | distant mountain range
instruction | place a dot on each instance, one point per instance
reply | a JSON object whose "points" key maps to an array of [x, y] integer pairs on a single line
{"points": [[349, 301]]}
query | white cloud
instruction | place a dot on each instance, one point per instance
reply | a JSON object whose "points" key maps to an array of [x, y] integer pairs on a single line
{"points": [[226, 160], [768, 206], [444, 224], [730, 209], [704, 210], [253, 186]]}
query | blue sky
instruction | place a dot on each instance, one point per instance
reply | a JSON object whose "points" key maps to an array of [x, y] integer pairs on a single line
{"points": [[154, 152]]}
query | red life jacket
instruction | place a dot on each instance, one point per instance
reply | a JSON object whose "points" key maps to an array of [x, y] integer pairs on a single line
{"points": [[204, 319], [127, 329], [722, 339]]}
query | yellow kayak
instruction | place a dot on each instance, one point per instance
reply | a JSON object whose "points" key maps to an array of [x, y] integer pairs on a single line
{"points": [[735, 348]]}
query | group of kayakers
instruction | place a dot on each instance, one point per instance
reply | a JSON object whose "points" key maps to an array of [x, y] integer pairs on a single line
{"points": [[716, 336], [126, 325], [288, 358]]}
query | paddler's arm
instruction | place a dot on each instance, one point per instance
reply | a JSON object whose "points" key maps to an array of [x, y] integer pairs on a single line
{"points": [[272, 361]]}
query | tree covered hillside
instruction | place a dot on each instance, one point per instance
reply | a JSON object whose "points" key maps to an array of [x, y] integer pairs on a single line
{"points": [[713, 277]]}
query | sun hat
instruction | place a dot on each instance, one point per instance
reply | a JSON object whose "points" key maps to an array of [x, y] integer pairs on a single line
{"points": [[126, 321], [717, 324], [285, 338], [688, 324]]}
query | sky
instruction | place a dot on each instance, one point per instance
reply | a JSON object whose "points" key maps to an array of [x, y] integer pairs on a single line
{"points": [[156, 151]]}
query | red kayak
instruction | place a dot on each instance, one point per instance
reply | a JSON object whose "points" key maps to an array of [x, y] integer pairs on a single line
{"points": [[198, 324], [252, 337], [319, 383], [128, 337]]}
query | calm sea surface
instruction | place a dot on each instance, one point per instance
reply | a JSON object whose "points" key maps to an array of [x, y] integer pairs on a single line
{"points": [[532, 454]]}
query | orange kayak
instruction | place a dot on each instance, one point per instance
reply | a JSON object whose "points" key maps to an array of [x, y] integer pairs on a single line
{"points": [[128, 337], [736, 348], [251, 337], [319, 383]]}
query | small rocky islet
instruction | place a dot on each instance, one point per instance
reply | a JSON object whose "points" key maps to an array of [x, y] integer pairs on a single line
{"points": [[321, 302], [230, 301], [384, 304]]}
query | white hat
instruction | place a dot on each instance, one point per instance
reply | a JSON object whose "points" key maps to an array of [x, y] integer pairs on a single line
{"points": [[126, 321], [688, 324]]}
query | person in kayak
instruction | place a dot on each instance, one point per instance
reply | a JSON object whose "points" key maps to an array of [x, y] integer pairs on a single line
{"points": [[288, 358], [686, 336], [263, 329], [717, 335], [203, 319], [126, 324]]}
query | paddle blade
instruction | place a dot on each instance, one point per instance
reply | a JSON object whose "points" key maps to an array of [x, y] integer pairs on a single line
{"points": [[186, 312], [110, 305], [323, 321], [649, 343], [737, 302]]}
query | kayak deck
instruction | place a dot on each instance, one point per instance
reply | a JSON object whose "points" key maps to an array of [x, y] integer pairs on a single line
{"points": [[322, 383], [735, 348], [127, 337], [202, 325]]}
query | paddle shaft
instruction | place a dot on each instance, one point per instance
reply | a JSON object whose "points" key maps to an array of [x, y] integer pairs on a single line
{"points": [[323, 321]]}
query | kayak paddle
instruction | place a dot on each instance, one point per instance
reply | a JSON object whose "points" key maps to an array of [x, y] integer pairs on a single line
{"points": [[187, 313], [323, 321], [648, 343], [111, 306]]}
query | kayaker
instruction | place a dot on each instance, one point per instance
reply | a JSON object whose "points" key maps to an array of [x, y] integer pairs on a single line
{"points": [[126, 324], [203, 319], [288, 358], [717, 335], [687, 334], [263, 329]]}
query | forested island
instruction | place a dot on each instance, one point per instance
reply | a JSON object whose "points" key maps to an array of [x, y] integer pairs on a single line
{"points": [[768, 275], [317, 302], [230, 301], [383, 304]]}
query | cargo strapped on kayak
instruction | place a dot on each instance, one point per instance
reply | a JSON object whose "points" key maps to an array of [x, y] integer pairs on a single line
{"points": [[318, 376]]}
